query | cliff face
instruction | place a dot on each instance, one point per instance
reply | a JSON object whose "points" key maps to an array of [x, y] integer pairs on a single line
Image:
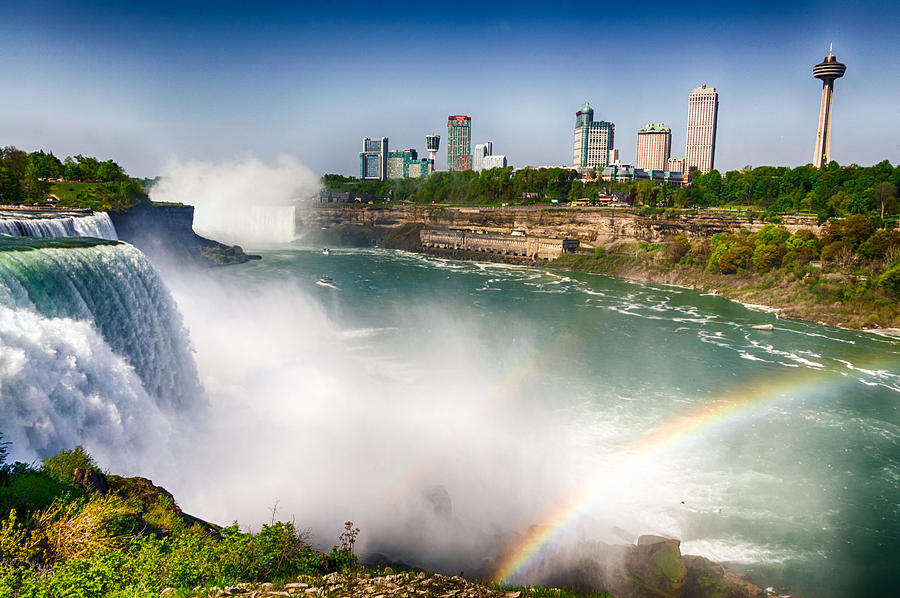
{"points": [[166, 232], [591, 226]]}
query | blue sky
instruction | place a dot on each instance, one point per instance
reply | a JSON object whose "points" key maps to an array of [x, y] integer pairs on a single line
{"points": [[143, 83]]}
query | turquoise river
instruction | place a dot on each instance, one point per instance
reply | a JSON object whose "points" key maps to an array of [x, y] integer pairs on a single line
{"points": [[604, 409]]}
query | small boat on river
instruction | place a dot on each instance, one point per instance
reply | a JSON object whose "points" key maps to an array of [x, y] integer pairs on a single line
{"points": [[326, 281], [763, 327]]}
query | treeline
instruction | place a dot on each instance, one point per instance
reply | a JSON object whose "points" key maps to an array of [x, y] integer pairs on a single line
{"points": [[31, 177], [830, 191], [494, 186]]}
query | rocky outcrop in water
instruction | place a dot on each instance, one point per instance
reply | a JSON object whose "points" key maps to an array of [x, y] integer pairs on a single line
{"points": [[165, 232]]}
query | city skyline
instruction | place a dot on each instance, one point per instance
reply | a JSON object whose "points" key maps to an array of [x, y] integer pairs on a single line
{"points": [[222, 82]]}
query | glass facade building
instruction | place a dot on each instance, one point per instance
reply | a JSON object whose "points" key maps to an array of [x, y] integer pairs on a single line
{"points": [[373, 158], [459, 142]]}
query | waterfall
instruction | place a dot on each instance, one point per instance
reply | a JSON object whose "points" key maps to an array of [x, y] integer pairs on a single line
{"points": [[93, 351], [96, 225], [254, 224]]}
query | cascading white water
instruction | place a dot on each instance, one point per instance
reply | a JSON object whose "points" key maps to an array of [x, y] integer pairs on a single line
{"points": [[96, 225], [93, 351]]}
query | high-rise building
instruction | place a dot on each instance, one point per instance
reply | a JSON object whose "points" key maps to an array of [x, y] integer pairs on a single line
{"points": [[828, 70], [406, 165], [494, 161], [373, 158], [700, 147], [459, 142], [432, 144], [675, 165], [481, 150], [593, 139], [654, 146]]}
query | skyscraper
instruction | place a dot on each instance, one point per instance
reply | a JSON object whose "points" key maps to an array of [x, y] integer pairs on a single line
{"points": [[654, 146], [481, 151], [373, 158], [593, 139], [700, 147], [828, 70], [459, 142]]}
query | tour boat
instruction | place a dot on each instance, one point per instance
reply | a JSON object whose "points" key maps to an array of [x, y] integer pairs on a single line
{"points": [[326, 281]]}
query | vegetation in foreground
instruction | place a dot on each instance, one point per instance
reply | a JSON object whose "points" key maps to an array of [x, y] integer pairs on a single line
{"points": [[68, 530], [850, 276]]}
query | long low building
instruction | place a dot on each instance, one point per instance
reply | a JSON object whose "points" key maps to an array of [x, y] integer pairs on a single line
{"points": [[520, 246]]}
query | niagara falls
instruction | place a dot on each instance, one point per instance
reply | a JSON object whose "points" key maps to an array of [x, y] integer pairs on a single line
{"points": [[523, 300]]}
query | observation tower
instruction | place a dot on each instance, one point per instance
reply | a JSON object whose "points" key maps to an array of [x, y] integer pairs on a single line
{"points": [[433, 143], [828, 70]]}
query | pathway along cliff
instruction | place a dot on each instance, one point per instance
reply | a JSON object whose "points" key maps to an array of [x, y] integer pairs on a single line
{"points": [[668, 248]]}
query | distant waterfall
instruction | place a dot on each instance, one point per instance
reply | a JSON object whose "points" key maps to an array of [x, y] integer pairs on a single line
{"points": [[96, 225], [93, 351], [258, 224]]}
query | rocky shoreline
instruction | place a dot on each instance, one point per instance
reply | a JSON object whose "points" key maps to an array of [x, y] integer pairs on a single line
{"points": [[780, 300]]}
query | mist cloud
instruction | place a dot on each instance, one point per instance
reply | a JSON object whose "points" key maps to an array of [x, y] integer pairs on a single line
{"points": [[239, 202]]}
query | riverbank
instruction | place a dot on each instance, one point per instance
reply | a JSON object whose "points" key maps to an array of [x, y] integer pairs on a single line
{"points": [[787, 295], [843, 274]]}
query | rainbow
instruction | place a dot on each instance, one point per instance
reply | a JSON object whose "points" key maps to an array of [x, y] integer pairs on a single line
{"points": [[732, 407]]}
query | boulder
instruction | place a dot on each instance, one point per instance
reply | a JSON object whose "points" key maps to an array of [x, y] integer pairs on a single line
{"points": [[655, 567], [90, 479]]}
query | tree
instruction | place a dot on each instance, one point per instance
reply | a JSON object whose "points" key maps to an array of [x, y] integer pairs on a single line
{"points": [[885, 195], [766, 257], [857, 229]]}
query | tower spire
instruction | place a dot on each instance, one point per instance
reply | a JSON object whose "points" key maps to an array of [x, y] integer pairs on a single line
{"points": [[827, 70]]}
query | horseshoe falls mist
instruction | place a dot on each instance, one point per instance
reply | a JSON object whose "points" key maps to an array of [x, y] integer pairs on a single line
{"points": [[445, 407]]}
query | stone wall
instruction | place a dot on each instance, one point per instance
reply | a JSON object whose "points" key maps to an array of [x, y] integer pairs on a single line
{"points": [[519, 246]]}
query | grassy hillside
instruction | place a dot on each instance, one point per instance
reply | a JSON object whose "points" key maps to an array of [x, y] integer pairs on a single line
{"points": [[109, 196], [68, 529]]}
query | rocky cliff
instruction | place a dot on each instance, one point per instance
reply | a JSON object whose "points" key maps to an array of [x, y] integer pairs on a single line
{"points": [[366, 224], [165, 232]]}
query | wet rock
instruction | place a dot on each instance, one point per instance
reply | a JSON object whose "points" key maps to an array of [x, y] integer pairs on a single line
{"points": [[90, 479]]}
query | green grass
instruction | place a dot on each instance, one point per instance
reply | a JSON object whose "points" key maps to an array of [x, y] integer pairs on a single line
{"points": [[105, 197]]}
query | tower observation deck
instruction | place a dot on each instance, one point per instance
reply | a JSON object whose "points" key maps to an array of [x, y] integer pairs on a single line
{"points": [[433, 143], [828, 70]]}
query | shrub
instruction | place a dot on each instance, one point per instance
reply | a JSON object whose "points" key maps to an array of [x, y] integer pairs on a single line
{"points": [[677, 248], [838, 251], [766, 257], [803, 238], [879, 244], [599, 251], [63, 464], [890, 279], [343, 557], [771, 234], [735, 258]]}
